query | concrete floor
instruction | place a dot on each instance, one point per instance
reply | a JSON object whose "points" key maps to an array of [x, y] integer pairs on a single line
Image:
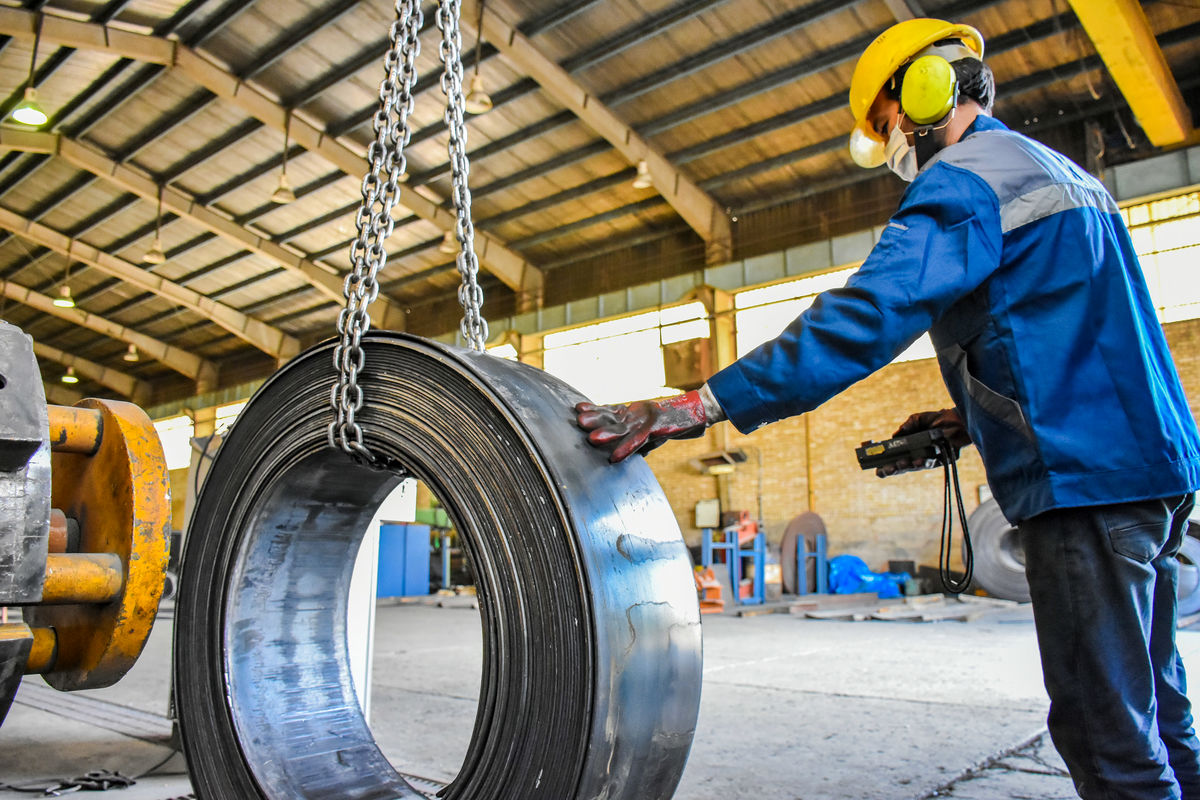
{"points": [[792, 709]]}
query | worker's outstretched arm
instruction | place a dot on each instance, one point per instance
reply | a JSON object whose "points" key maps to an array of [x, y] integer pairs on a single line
{"points": [[942, 244], [644, 425]]}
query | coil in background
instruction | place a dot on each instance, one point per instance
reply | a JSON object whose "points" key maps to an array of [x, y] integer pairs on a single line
{"points": [[591, 673]]}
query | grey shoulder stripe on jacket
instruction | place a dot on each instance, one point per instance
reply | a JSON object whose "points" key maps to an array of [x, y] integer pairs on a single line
{"points": [[1031, 182], [1048, 200]]}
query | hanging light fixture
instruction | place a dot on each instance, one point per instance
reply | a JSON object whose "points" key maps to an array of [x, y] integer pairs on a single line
{"points": [[449, 244], [131, 354], [643, 180], [29, 111], [156, 255], [69, 376], [283, 192], [478, 101], [64, 299]]}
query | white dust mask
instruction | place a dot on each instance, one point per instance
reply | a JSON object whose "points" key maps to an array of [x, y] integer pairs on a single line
{"points": [[901, 156]]}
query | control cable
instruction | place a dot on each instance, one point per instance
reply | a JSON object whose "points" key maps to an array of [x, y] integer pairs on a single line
{"points": [[949, 462]]}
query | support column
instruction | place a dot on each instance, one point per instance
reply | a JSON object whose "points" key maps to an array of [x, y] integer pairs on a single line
{"points": [[531, 350]]}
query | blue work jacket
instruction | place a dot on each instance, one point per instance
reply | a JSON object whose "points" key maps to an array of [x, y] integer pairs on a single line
{"points": [[1019, 265]]}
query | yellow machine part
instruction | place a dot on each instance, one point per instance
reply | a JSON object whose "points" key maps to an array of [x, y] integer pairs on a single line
{"points": [[110, 475]]}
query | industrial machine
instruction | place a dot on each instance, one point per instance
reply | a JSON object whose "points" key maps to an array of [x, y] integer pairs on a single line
{"points": [[84, 530]]}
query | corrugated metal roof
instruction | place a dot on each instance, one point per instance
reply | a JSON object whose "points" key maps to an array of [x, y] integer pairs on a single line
{"points": [[745, 97]]}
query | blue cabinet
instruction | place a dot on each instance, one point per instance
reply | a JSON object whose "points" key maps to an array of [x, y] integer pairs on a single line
{"points": [[403, 560]]}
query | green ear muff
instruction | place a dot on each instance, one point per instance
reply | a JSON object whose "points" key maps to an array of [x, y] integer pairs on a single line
{"points": [[929, 90]]}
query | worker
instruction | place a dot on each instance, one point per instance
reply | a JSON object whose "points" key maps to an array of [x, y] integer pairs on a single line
{"points": [[1019, 265]]}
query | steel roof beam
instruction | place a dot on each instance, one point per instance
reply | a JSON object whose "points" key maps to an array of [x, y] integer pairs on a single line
{"points": [[689, 200], [183, 362], [342, 245], [783, 76], [498, 146], [707, 105], [1124, 39], [618, 42], [267, 338], [122, 383], [183, 112], [598, 185], [314, 185], [1033, 82], [184, 280], [214, 148], [60, 56], [511, 267], [316, 222], [241, 179], [370, 56], [97, 164], [291, 315], [315, 22], [126, 89], [74, 231], [48, 68], [203, 99], [60, 395], [229, 11]]}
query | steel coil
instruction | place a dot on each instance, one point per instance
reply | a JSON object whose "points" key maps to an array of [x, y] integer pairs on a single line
{"points": [[998, 555], [592, 656]]}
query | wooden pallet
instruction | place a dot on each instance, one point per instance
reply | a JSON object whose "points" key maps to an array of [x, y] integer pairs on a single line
{"points": [[921, 608]]}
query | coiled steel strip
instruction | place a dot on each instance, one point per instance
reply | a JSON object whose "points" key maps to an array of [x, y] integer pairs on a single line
{"points": [[592, 654]]}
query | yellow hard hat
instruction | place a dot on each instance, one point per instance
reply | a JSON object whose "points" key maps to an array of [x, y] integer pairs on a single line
{"points": [[879, 62]]}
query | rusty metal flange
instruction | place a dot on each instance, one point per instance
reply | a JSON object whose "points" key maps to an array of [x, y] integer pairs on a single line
{"points": [[120, 495]]}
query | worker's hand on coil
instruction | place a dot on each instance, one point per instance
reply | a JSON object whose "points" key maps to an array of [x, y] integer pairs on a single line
{"points": [[950, 423], [642, 426]]}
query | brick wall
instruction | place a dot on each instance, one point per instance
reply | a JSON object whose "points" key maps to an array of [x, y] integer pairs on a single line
{"points": [[878, 520]]}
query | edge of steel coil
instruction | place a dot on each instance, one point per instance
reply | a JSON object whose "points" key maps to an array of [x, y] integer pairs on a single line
{"points": [[592, 652]]}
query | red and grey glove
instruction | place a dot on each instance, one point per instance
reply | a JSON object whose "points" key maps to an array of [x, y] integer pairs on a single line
{"points": [[950, 423], [644, 425]]}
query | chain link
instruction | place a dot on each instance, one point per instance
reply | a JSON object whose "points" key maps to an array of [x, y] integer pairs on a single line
{"points": [[380, 192], [470, 296]]}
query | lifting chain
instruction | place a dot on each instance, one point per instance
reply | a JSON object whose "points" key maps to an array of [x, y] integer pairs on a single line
{"points": [[380, 193], [473, 327]]}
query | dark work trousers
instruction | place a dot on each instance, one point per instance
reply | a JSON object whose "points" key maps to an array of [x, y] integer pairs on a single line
{"points": [[1103, 584]]}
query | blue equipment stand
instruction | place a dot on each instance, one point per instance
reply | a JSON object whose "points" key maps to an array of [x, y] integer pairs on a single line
{"points": [[403, 560], [802, 557], [733, 557]]}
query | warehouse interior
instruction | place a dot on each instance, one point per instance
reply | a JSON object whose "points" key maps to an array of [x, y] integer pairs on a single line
{"points": [[653, 190]]}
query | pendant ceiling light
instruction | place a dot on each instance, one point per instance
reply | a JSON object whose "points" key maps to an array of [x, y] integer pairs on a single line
{"points": [[156, 254], [283, 192], [69, 376], [29, 110], [64, 299], [643, 180], [131, 354], [478, 101]]}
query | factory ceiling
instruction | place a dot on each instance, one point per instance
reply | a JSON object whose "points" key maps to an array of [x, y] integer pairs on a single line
{"points": [[168, 121]]}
